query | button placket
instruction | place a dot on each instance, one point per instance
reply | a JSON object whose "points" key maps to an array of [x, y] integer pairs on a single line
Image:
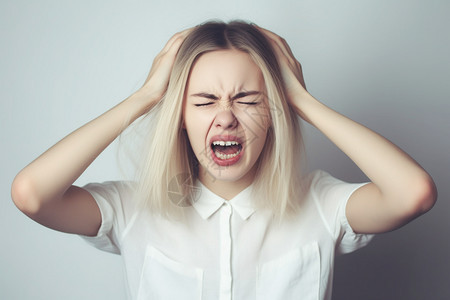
{"points": [[226, 278]]}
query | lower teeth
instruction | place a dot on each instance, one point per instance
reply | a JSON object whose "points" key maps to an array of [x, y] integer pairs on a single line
{"points": [[226, 156]]}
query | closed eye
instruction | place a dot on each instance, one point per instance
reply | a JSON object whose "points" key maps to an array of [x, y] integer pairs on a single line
{"points": [[246, 94], [206, 97], [204, 104], [240, 95], [248, 103]]}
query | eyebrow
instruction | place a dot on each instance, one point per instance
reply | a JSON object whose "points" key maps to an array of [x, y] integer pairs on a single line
{"points": [[237, 96], [206, 95], [244, 94]]}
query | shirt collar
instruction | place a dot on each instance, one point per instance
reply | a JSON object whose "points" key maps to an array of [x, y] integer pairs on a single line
{"points": [[207, 203]]}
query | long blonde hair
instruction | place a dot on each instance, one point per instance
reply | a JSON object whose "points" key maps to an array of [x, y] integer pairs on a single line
{"points": [[170, 167]]}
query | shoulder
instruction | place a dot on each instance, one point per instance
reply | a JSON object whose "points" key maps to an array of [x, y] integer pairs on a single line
{"points": [[319, 181], [327, 190], [111, 188], [114, 195]]}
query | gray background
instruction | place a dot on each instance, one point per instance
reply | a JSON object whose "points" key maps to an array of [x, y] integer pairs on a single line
{"points": [[382, 63]]}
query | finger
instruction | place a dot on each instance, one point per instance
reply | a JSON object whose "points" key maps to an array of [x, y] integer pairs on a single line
{"points": [[175, 39], [279, 46], [283, 51], [172, 46], [281, 42], [279, 52], [302, 79]]}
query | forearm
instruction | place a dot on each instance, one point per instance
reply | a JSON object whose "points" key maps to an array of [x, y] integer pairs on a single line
{"points": [[400, 190], [51, 174], [393, 171]]}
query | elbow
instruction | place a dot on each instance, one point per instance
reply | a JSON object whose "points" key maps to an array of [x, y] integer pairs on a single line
{"points": [[24, 195], [424, 196]]}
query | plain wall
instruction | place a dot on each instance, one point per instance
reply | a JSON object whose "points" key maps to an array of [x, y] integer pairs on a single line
{"points": [[383, 63]]}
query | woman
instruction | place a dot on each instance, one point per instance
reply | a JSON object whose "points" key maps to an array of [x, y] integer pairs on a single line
{"points": [[221, 210]]}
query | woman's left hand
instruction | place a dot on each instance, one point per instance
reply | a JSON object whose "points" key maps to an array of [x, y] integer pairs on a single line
{"points": [[291, 69], [400, 190]]}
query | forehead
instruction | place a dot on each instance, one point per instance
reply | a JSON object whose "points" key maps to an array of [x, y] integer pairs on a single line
{"points": [[225, 71]]}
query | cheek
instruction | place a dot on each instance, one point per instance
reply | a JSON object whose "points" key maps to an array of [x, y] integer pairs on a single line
{"points": [[256, 120], [255, 133], [197, 129]]}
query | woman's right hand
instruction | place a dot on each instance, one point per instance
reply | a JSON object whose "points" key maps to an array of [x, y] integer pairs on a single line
{"points": [[44, 189], [158, 78]]}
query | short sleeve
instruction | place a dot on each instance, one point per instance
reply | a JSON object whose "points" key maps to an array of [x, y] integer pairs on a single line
{"points": [[111, 198], [331, 196]]}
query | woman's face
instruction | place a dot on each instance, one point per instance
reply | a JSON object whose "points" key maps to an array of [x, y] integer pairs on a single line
{"points": [[226, 115]]}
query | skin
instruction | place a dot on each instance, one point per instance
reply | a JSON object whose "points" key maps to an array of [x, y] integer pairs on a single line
{"points": [[225, 103], [400, 189]]}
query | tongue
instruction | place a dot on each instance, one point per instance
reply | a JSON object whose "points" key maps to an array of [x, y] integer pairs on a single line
{"points": [[227, 149]]}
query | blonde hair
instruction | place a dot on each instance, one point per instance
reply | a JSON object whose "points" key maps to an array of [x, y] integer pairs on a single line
{"points": [[170, 167]]}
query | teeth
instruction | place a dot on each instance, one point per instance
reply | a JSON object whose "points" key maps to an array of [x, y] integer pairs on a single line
{"points": [[226, 156], [225, 143]]}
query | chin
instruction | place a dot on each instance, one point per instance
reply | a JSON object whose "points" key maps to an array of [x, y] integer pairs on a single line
{"points": [[233, 173]]}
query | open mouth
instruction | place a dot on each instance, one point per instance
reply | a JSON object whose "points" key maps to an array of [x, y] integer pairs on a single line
{"points": [[226, 151]]}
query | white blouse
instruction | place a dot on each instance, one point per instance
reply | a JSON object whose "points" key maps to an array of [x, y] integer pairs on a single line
{"points": [[228, 249]]}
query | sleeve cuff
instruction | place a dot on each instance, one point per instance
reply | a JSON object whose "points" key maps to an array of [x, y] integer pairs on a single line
{"points": [[103, 239], [350, 241]]}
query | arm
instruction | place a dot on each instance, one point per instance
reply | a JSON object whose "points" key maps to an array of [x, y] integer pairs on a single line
{"points": [[400, 189], [43, 190]]}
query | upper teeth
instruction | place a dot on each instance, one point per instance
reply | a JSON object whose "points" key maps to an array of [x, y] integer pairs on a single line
{"points": [[225, 143]]}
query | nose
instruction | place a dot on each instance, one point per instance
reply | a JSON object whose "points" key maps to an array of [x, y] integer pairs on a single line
{"points": [[225, 119]]}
